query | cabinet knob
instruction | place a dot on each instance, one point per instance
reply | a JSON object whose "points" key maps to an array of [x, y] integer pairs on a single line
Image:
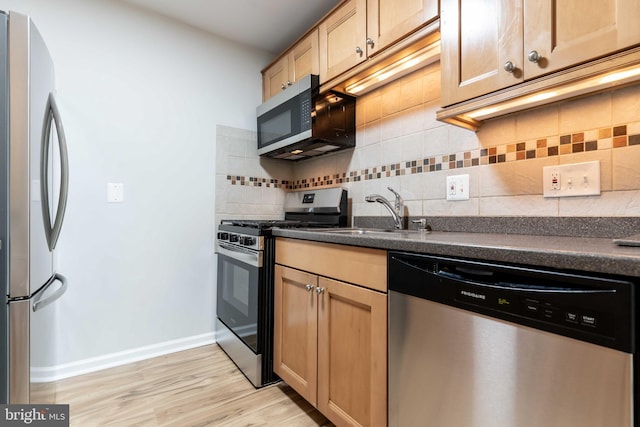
{"points": [[319, 291], [509, 67], [309, 288], [534, 56], [359, 50], [370, 42], [289, 83], [283, 87]]}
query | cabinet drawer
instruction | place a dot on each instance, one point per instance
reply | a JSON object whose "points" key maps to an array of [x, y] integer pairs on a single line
{"points": [[362, 266]]}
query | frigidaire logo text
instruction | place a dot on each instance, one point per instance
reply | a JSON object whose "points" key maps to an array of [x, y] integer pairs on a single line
{"points": [[473, 295]]}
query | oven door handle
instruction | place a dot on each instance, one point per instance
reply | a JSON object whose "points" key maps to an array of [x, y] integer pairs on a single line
{"points": [[248, 256]]}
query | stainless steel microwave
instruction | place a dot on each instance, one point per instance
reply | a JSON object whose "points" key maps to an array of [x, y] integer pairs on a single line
{"points": [[300, 123]]}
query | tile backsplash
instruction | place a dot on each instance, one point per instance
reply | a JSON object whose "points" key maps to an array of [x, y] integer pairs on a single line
{"points": [[247, 186], [401, 145]]}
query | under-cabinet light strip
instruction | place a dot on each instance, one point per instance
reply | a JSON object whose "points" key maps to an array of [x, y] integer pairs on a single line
{"points": [[559, 93], [400, 68]]}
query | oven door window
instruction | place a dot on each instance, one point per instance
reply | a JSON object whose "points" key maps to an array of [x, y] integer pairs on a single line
{"points": [[237, 304]]}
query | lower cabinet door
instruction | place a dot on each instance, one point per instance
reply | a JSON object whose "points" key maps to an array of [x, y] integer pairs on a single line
{"points": [[352, 354], [295, 330]]}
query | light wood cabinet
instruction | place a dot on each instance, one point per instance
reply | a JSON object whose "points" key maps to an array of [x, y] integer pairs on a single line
{"points": [[297, 62], [481, 37], [390, 20], [477, 38], [295, 353], [275, 78], [352, 354], [330, 337], [342, 39], [569, 32], [359, 29]]}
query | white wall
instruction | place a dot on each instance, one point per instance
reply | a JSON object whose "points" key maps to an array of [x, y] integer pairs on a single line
{"points": [[140, 97]]}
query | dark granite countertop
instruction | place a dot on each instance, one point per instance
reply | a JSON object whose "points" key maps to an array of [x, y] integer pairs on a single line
{"points": [[589, 254]]}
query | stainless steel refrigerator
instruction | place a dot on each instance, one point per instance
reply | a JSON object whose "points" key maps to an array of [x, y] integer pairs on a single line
{"points": [[33, 195]]}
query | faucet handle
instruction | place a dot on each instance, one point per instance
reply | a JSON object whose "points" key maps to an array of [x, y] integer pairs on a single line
{"points": [[399, 202], [394, 192], [422, 224]]}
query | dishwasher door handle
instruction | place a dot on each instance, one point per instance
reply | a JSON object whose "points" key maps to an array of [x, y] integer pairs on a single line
{"points": [[523, 287]]}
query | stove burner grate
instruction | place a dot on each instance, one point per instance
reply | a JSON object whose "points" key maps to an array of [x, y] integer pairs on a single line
{"points": [[263, 224]]}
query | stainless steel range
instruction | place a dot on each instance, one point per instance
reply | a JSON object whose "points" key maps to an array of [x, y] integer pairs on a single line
{"points": [[246, 257]]}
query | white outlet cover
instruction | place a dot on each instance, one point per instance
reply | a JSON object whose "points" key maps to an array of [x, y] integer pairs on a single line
{"points": [[458, 187], [115, 192], [575, 179]]}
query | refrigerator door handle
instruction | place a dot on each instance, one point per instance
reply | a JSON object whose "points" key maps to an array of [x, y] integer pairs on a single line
{"points": [[53, 114], [39, 302]]}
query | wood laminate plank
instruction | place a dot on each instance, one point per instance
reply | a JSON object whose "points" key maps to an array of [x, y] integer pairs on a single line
{"points": [[198, 387]]}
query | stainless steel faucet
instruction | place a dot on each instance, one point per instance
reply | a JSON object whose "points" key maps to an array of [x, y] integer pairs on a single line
{"points": [[396, 210]]}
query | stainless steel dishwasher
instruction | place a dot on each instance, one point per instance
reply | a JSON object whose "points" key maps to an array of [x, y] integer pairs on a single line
{"points": [[477, 344]]}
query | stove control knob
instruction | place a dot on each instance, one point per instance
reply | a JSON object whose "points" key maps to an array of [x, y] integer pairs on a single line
{"points": [[233, 238], [247, 241], [223, 236]]}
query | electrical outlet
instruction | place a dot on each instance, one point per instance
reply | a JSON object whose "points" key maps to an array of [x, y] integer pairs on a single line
{"points": [[115, 192], [555, 180], [458, 187], [576, 179]]}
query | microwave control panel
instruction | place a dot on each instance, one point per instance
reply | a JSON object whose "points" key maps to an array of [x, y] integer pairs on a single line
{"points": [[305, 109]]}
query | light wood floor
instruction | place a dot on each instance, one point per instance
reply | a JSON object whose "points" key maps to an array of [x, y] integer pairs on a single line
{"points": [[199, 387]]}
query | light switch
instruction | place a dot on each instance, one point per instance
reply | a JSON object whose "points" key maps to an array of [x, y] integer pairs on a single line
{"points": [[576, 179], [115, 192]]}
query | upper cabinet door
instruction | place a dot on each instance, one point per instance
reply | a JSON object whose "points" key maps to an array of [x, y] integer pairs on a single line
{"points": [[480, 38], [390, 20], [304, 58], [343, 39], [275, 78], [488, 45], [568, 32], [297, 62]]}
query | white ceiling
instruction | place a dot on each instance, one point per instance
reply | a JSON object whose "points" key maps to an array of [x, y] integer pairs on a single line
{"points": [[270, 25]]}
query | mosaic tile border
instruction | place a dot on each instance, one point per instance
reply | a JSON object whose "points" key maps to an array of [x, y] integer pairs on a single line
{"points": [[259, 182], [598, 139]]}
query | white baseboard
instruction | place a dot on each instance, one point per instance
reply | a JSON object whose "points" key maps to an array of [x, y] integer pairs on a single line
{"points": [[66, 370]]}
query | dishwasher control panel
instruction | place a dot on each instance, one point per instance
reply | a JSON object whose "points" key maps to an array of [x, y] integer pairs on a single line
{"points": [[595, 309], [572, 316], [551, 307]]}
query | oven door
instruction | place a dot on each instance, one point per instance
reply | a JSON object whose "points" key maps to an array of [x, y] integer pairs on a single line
{"points": [[238, 287]]}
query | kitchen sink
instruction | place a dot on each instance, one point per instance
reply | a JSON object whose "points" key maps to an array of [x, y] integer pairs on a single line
{"points": [[369, 231], [359, 230]]}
